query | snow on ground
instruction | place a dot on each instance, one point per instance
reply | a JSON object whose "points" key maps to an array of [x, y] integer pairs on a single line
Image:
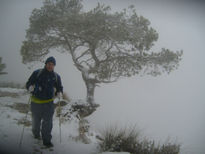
{"points": [[10, 130], [115, 153], [12, 90]]}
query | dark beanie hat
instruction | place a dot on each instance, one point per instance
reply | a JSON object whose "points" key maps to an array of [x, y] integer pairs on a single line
{"points": [[51, 59]]}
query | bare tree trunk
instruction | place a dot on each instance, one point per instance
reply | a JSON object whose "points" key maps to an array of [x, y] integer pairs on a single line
{"points": [[90, 91], [90, 87]]}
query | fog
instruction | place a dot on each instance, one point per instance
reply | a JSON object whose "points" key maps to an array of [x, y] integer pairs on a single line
{"points": [[165, 106]]}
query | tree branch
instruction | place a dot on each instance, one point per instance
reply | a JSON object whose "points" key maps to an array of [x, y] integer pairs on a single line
{"points": [[92, 51], [85, 52], [77, 64]]}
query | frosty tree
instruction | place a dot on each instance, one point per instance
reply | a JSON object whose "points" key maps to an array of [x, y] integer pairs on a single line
{"points": [[104, 46], [2, 67]]}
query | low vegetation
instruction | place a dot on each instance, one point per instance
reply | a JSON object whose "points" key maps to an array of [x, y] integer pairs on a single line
{"points": [[11, 85], [115, 139]]}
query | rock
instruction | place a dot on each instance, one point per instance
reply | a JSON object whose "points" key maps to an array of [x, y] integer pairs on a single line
{"points": [[85, 110]]}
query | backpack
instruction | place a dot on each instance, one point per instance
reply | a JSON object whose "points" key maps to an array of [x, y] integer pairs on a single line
{"points": [[41, 70], [39, 73]]}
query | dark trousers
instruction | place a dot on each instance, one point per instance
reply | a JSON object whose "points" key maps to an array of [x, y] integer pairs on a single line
{"points": [[42, 120]]}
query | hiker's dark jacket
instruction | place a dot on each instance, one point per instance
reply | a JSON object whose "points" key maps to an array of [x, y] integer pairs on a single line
{"points": [[44, 83]]}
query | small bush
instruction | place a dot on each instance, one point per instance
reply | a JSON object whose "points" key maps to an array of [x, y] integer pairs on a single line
{"points": [[11, 85], [128, 140]]}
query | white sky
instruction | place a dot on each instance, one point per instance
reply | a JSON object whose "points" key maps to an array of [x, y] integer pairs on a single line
{"points": [[170, 105]]}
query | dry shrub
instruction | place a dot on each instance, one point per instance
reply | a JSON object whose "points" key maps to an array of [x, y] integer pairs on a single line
{"points": [[115, 139]]}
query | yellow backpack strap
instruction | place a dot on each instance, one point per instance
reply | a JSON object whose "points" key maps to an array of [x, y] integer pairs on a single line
{"points": [[39, 101]]}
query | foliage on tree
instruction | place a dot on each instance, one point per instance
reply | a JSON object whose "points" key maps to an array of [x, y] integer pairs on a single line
{"points": [[104, 46]]}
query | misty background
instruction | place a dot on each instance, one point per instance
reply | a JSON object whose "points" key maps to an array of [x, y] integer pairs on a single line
{"points": [[165, 106]]}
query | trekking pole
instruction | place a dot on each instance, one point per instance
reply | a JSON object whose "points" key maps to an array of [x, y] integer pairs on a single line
{"points": [[59, 118], [21, 139]]}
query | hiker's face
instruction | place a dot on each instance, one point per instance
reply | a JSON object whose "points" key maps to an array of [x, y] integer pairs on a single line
{"points": [[50, 66]]}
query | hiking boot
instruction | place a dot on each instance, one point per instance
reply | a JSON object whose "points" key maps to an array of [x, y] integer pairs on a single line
{"points": [[37, 137], [48, 144]]}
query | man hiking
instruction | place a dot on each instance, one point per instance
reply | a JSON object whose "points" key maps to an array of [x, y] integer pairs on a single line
{"points": [[44, 84]]}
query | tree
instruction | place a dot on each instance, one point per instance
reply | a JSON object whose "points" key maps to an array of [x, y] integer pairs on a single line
{"points": [[2, 67], [104, 46]]}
